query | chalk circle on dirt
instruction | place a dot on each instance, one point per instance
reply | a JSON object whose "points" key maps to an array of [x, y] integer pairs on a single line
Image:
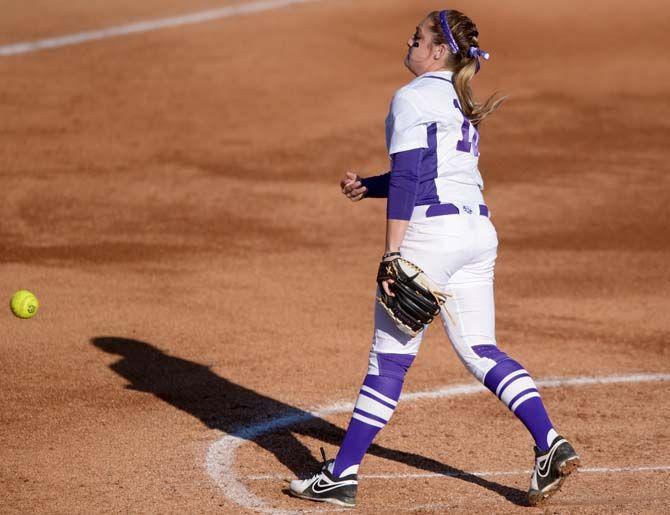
{"points": [[220, 457]]}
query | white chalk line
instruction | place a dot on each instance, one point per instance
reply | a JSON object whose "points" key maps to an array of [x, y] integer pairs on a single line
{"points": [[220, 458], [497, 473], [145, 26]]}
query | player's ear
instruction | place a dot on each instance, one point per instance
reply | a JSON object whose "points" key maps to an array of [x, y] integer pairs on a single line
{"points": [[439, 52]]}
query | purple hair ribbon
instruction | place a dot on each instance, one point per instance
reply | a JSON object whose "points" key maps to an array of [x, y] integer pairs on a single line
{"points": [[477, 53], [447, 32]]}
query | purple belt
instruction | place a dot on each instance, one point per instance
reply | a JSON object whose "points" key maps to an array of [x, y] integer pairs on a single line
{"points": [[452, 209]]}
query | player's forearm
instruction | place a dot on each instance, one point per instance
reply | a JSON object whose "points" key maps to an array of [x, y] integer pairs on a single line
{"points": [[395, 233]]}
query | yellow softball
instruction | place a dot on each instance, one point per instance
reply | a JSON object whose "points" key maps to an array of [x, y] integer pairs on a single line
{"points": [[24, 304]]}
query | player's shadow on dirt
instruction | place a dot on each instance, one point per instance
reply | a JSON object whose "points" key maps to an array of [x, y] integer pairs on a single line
{"points": [[226, 406]]}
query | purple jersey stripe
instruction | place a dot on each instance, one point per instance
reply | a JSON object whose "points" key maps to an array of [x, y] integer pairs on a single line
{"points": [[427, 191]]}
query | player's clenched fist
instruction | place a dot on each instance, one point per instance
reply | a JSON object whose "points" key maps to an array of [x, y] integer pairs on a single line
{"points": [[352, 187]]}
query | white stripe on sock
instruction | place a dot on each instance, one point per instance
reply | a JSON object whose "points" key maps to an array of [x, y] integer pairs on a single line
{"points": [[507, 378], [373, 364], [516, 387], [353, 469], [381, 397], [551, 435], [374, 407], [523, 399], [367, 420]]}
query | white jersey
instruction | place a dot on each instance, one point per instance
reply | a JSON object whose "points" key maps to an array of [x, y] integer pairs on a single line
{"points": [[426, 114]]}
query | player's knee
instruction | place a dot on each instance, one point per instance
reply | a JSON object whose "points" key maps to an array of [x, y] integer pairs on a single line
{"points": [[490, 352], [483, 359], [390, 365], [499, 368]]}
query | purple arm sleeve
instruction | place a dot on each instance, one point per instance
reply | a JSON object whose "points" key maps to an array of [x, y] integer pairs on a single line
{"points": [[378, 186], [403, 184]]}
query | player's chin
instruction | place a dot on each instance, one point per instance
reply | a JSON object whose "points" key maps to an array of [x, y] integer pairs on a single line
{"points": [[408, 65]]}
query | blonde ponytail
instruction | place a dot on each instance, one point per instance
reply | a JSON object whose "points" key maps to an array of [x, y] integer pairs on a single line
{"points": [[464, 63], [474, 111]]}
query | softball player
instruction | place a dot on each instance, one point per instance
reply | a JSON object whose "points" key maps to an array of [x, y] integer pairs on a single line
{"points": [[437, 218]]}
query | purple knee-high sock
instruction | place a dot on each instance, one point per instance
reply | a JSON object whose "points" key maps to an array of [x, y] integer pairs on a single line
{"points": [[376, 402], [514, 386]]}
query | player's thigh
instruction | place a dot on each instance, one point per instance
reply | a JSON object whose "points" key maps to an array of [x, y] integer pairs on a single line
{"points": [[469, 312]]}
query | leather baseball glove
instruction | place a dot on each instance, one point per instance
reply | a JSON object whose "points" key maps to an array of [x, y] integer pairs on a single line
{"points": [[417, 298]]}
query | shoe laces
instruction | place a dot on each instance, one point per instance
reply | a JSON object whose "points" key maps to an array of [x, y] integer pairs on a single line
{"points": [[324, 461], [324, 464]]}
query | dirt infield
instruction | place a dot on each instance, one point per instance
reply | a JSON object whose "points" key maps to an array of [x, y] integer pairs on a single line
{"points": [[171, 197]]}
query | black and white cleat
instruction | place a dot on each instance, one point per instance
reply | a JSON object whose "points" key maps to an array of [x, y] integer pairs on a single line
{"points": [[552, 467]]}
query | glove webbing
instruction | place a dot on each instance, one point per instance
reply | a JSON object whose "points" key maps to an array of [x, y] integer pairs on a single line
{"points": [[418, 307]]}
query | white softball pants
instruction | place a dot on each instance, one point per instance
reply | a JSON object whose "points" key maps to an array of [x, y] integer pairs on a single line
{"points": [[458, 252]]}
